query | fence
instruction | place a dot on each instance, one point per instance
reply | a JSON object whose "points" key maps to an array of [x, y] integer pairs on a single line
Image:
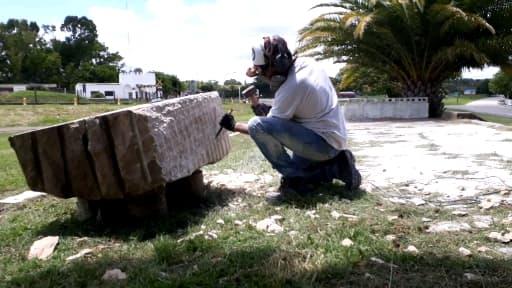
{"points": [[31, 97]]}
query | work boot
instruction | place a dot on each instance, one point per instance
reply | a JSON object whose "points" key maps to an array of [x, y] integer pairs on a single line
{"points": [[292, 187], [348, 172]]}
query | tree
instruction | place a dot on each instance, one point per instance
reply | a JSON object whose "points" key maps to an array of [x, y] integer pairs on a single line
{"points": [[208, 86], [83, 57], [171, 85], [502, 84], [364, 80], [483, 87], [18, 38], [418, 44]]}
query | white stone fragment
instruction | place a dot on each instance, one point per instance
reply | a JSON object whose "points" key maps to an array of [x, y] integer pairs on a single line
{"points": [[483, 249], [312, 214], [269, 225], [506, 251], [220, 221], [482, 221], [500, 237], [43, 248], [390, 238], [211, 235], [417, 201], [347, 242], [114, 274], [465, 252], [472, 277], [426, 220], [335, 215], [490, 202], [460, 213], [382, 262], [392, 218], [411, 249], [79, 254], [448, 226], [22, 197]]}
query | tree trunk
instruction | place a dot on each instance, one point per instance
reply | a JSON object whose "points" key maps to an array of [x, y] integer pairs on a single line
{"points": [[432, 91]]}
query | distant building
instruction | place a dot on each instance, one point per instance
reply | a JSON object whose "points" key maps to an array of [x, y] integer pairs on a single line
{"points": [[470, 91], [131, 86]]}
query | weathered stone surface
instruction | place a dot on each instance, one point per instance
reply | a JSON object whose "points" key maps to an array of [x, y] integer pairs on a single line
{"points": [[82, 178], [103, 159], [25, 148], [53, 167], [125, 153]]}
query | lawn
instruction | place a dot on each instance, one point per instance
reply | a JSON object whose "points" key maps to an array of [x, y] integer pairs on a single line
{"points": [[37, 97], [496, 119], [462, 100], [215, 244], [44, 115]]}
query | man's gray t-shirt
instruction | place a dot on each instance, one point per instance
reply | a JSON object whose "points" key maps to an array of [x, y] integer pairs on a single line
{"points": [[308, 97]]}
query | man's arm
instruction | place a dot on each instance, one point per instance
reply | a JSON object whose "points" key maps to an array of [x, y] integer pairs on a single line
{"points": [[242, 128]]}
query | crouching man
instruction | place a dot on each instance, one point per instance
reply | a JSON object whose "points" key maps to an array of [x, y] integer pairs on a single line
{"points": [[305, 118]]}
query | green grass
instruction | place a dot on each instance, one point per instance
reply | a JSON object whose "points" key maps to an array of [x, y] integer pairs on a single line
{"points": [[41, 96], [496, 119], [11, 177], [165, 253], [462, 100], [43, 115]]}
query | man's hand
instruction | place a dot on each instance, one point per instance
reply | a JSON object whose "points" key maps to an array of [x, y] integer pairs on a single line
{"points": [[228, 122]]}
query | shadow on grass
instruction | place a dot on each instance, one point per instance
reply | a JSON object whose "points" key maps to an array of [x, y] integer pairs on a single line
{"points": [[324, 194], [206, 263], [183, 211]]}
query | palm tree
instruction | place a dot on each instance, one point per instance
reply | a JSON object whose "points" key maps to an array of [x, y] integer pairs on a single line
{"points": [[417, 43]]}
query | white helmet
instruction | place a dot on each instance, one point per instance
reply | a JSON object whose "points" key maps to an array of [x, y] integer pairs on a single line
{"points": [[258, 55]]}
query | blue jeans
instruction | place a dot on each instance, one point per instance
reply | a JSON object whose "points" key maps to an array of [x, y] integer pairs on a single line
{"points": [[310, 151]]}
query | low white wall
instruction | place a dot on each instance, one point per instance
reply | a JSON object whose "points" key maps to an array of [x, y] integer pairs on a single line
{"points": [[363, 109]]}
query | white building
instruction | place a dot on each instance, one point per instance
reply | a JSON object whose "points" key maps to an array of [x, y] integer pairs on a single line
{"points": [[131, 86]]}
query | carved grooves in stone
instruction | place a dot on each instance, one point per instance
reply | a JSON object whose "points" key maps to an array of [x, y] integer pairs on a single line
{"points": [[110, 141], [37, 161], [89, 158], [66, 188]]}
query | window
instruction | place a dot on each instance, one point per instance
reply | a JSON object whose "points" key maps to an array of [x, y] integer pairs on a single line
{"points": [[110, 94]]}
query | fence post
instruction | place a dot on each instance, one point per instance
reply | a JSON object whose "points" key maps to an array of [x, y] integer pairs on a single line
{"points": [[75, 101], [118, 101], [24, 101]]}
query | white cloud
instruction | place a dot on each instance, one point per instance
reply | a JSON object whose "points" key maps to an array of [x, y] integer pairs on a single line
{"points": [[209, 40]]}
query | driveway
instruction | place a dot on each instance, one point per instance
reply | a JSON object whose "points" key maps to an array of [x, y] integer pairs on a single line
{"points": [[488, 105]]}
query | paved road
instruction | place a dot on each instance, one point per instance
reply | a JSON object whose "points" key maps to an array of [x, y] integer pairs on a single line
{"points": [[488, 105]]}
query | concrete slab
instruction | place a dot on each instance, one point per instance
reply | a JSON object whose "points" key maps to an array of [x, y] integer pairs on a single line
{"points": [[437, 161]]}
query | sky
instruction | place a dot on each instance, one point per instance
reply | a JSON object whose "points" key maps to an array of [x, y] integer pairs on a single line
{"points": [[192, 39]]}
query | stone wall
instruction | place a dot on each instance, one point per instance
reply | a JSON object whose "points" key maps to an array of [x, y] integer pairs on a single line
{"points": [[364, 109], [361, 109], [125, 153]]}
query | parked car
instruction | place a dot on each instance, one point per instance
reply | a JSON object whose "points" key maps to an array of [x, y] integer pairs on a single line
{"points": [[347, 94]]}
